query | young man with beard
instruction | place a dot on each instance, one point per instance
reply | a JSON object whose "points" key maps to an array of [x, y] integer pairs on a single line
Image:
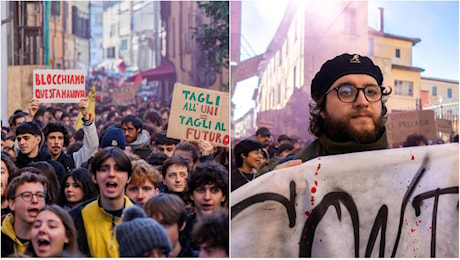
{"points": [[348, 113], [57, 137], [96, 220], [26, 195], [137, 141], [30, 140]]}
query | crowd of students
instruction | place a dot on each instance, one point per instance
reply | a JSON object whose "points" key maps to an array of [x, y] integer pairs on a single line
{"points": [[117, 186]]}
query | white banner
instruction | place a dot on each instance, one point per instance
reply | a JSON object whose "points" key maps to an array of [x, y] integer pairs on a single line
{"points": [[400, 202], [58, 86]]}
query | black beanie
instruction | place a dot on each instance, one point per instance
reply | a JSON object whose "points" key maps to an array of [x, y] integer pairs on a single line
{"points": [[340, 66]]}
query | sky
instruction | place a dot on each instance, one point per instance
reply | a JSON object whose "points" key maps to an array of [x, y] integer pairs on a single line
{"points": [[436, 23]]}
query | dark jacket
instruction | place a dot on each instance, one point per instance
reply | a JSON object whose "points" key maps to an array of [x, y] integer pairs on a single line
{"points": [[185, 236], [239, 178], [323, 146], [66, 161], [22, 161]]}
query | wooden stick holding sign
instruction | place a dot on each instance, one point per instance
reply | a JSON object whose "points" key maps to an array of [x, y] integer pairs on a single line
{"points": [[199, 114], [400, 202]]}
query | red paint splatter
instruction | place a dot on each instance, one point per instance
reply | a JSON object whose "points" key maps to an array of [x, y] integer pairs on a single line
{"points": [[412, 157], [298, 243], [308, 242], [320, 240], [412, 230], [307, 213], [313, 189], [316, 183]]}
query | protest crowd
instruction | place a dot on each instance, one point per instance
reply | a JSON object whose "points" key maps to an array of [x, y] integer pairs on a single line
{"points": [[262, 152], [109, 183]]}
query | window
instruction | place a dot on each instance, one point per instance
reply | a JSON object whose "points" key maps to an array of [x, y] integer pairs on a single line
{"points": [[111, 52], [285, 88], [55, 8], [371, 46], [404, 88], [350, 23], [434, 91], [294, 76], [280, 57], [123, 44], [449, 93], [398, 53]]}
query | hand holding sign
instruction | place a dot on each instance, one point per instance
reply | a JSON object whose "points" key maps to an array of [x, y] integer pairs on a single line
{"points": [[34, 104], [205, 147], [83, 105], [288, 164]]}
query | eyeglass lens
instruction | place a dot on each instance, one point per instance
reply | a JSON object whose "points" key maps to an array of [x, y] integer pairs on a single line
{"points": [[349, 93]]}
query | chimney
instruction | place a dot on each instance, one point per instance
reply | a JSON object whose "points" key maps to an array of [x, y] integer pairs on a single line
{"points": [[381, 19]]}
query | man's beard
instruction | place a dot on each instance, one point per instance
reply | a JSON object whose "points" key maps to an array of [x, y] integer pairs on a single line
{"points": [[340, 130]]}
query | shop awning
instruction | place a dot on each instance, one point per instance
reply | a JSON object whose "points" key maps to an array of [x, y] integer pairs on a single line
{"points": [[164, 71]]}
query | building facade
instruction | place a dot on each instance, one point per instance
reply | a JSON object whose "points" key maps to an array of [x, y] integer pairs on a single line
{"points": [[307, 36]]}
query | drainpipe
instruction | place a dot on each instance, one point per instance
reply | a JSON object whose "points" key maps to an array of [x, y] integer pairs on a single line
{"points": [[381, 19], [180, 35]]}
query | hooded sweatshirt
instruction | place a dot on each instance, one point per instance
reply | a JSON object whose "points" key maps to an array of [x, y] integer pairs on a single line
{"points": [[10, 243], [141, 146]]}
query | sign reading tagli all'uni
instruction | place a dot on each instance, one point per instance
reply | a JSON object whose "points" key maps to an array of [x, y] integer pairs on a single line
{"points": [[58, 86], [199, 114]]}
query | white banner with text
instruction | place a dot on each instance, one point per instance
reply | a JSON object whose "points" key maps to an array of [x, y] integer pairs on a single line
{"points": [[400, 202]]}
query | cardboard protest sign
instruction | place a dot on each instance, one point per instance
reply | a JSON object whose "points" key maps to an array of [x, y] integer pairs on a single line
{"points": [[402, 124], [400, 202], [199, 114], [58, 86], [123, 95], [444, 125]]}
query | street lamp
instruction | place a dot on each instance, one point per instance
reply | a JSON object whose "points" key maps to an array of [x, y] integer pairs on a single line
{"points": [[440, 99]]}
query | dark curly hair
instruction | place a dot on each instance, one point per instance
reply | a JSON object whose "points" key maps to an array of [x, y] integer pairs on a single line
{"points": [[57, 126], [319, 104], [209, 172]]}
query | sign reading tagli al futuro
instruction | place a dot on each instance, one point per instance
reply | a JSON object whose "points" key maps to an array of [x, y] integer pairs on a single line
{"points": [[199, 114], [58, 86]]}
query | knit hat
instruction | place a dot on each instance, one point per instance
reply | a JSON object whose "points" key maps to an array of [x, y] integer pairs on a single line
{"points": [[340, 66], [137, 234], [114, 137]]}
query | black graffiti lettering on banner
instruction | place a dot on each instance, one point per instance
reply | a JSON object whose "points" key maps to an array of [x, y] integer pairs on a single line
{"points": [[417, 202], [333, 198], [261, 197], [318, 212], [380, 223]]}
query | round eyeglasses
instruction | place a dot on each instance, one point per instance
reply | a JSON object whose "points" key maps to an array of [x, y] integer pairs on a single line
{"points": [[349, 93], [28, 196]]}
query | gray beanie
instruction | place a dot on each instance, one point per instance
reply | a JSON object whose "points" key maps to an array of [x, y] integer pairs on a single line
{"points": [[137, 234]]}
